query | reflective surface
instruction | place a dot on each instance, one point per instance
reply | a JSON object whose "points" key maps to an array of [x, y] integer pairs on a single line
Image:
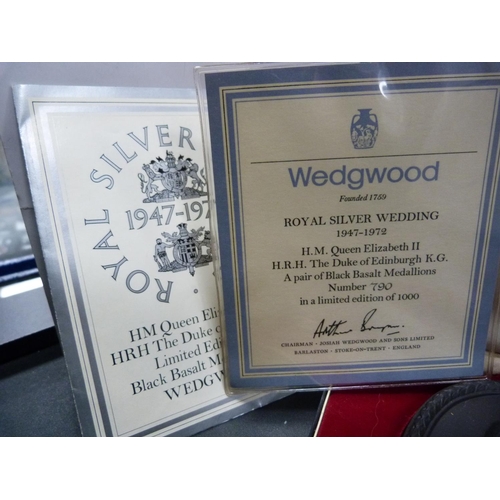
{"points": [[14, 242], [23, 304]]}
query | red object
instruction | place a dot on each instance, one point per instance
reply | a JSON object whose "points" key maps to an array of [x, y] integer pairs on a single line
{"points": [[372, 413]]}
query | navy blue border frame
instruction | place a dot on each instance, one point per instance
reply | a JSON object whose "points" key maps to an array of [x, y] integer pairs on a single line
{"points": [[242, 85]]}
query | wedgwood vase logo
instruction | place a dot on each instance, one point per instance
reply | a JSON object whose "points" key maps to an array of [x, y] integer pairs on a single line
{"points": [[364, 129], [172, 194]]}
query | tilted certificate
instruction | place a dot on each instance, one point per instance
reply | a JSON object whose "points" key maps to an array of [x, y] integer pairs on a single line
{"points": [[358, 220], [120, 195]]}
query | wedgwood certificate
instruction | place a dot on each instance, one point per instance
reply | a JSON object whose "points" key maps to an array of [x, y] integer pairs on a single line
{"points": [[119, 190], [357, 221]]}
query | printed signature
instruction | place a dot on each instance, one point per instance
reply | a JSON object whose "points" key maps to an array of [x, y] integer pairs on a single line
{"points": [[325, 329]]}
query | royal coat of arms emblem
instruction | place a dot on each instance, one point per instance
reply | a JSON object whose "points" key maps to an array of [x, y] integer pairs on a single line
{"points": [[187, 250], [167, 179]]}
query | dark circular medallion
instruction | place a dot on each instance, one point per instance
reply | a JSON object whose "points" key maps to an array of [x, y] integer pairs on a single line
{"points": [[467, 409]]}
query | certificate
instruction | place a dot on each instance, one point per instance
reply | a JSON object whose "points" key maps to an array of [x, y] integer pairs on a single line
{"points": [[357, 220], [120, 196]]}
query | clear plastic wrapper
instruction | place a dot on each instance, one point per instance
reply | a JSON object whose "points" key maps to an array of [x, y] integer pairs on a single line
{"points": [[356, 221]]}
